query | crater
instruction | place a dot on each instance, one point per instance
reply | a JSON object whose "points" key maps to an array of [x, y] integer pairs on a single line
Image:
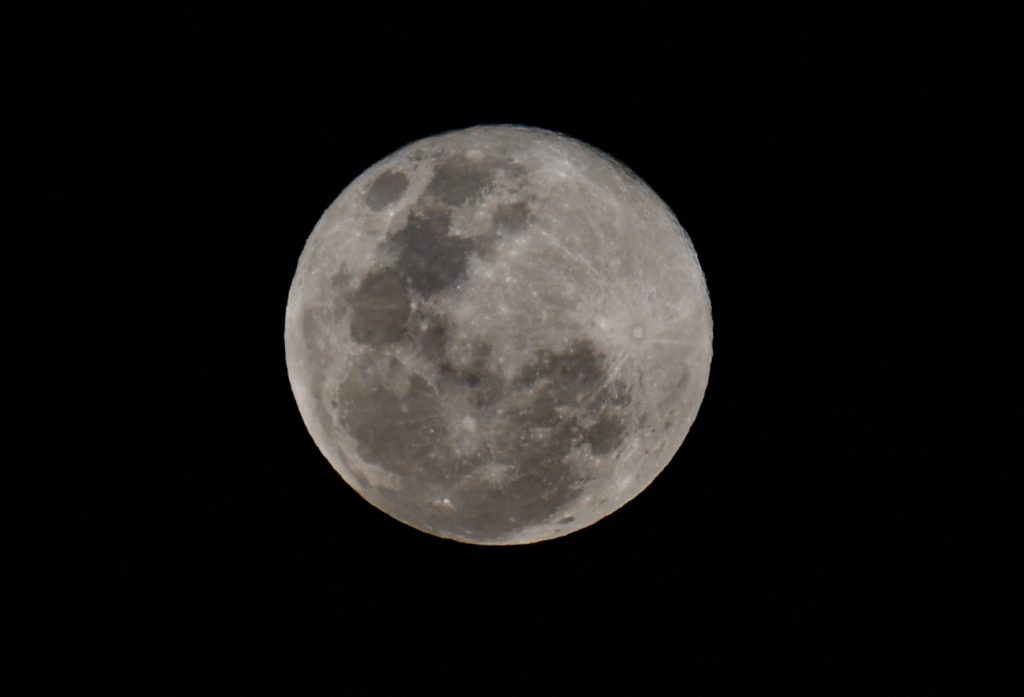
{"points": [[386, 189]]}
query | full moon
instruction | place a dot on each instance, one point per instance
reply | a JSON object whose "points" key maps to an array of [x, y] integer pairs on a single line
{"points": [[498, 335]]}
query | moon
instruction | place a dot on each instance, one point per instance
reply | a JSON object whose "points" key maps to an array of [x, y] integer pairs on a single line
{"points": [[498, 335]]}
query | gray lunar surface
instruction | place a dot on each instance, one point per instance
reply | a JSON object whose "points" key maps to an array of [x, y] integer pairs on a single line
{"points": [[498, 335]]}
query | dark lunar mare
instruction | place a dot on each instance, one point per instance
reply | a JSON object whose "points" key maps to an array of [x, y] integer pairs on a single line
{"points": [[459, 179], [511, 216], [380, 309], [430, 260], [386, 189], [574, 404]]}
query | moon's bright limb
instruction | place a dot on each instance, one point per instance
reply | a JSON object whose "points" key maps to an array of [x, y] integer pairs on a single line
{"points": [[498, 335]]}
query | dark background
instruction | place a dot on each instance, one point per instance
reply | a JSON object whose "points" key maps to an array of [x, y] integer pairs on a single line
{"points": [[830, 521]]}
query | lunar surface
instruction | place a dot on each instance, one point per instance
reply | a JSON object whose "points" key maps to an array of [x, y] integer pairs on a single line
{"points": [[498, 335]]}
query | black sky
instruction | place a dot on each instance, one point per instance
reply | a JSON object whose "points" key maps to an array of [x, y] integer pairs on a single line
{"points": [[839, 177]]}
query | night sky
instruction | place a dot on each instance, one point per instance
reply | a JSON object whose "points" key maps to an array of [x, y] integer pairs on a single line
{"points": [[176, 529]]}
